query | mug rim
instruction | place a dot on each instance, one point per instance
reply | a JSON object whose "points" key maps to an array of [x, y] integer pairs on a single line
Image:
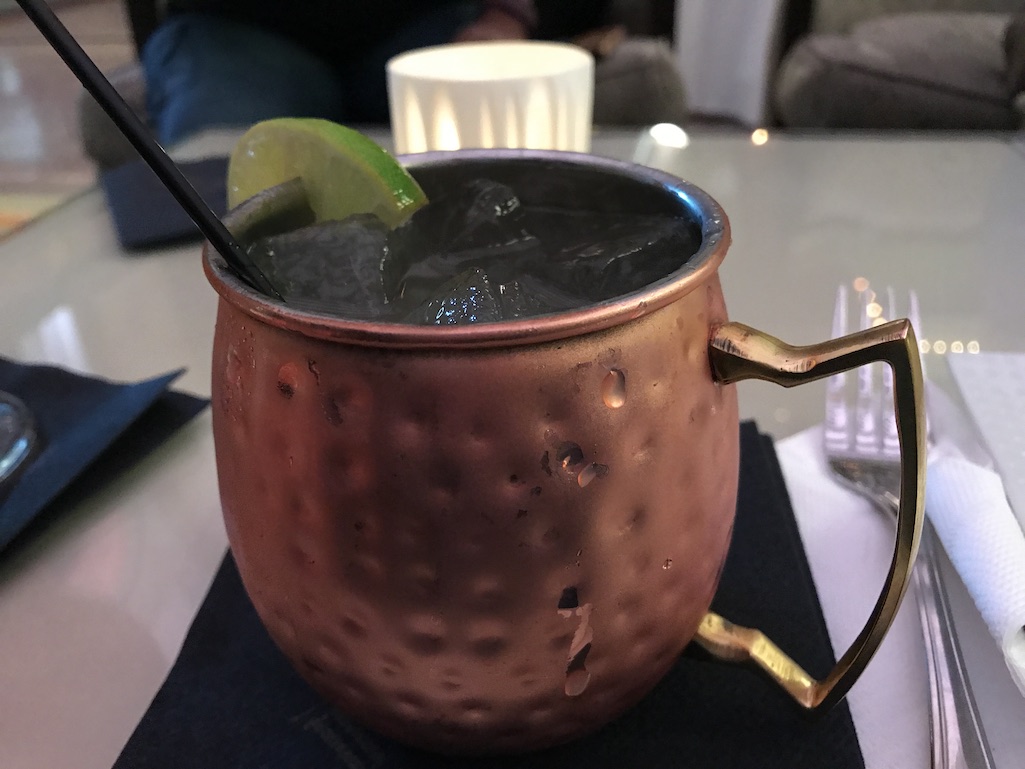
{"points": [[599, 316]]}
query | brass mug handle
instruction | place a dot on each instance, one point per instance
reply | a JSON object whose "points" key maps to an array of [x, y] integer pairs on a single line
{"points": [[739, 352]]}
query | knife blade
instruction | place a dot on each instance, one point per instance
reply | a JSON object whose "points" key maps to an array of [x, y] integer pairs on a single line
{"points": [[951, 431]]}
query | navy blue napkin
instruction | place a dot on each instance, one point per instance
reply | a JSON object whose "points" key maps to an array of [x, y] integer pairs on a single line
{"points": [[232, 700], [145, 213], [84, 424]]}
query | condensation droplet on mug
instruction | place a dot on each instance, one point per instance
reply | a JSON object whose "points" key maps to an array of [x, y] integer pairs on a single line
{"points": [[233, 369], [332, 411], [546, 463], [613, 389], [569, 600], [577, 674], [288, 380], [592, 471], [569, 455], [577, 681]]}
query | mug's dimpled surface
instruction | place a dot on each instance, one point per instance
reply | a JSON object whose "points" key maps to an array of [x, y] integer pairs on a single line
{"points": [[472, 550]]}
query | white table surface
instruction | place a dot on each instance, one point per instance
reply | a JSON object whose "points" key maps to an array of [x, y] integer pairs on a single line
{"points": [[93, 612]]}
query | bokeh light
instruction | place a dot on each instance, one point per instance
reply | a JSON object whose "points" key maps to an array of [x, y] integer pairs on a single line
{"points": [[669, 135]]}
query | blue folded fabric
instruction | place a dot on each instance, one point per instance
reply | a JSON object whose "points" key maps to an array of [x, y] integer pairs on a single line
{"points": [[84, 423], [145, 213]]}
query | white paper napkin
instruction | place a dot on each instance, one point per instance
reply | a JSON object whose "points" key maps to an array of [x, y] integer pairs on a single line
{"points": [[968, 508], [849, 545], [992, 386]]}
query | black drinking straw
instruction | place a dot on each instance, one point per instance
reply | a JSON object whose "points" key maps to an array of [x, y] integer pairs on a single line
{"points": [[95, 83]]}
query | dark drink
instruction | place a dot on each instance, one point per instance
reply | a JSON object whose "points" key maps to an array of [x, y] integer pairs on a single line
{"points": [[484, 250]]}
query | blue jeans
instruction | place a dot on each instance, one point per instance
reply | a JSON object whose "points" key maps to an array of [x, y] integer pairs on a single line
{"points": [[203, 71]]}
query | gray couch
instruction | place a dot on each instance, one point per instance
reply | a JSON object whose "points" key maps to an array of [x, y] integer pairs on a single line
{"points": [[903, 64]]}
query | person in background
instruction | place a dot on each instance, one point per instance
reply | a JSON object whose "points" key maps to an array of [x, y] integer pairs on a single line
{"points": [[234, 62]]}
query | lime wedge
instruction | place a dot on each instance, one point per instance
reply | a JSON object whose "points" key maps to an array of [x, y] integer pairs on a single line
{"points": [[343, 171]]}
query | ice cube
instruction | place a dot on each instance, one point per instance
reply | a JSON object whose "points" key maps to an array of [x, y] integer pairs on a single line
{"points": [[331, 266], [472, 297], [527, 296], [477, 226], [479, 213], [619, 254], [559, 228], [502, 262], [468, 298]]}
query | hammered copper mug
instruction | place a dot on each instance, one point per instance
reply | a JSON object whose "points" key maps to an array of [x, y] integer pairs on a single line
{"points": [[498, 537]]}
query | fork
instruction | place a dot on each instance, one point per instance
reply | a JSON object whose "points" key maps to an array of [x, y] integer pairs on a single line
{"points": [[863, 454]]}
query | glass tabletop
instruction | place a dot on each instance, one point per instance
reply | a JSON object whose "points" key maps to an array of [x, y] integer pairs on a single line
{"points": [[937, 213]]}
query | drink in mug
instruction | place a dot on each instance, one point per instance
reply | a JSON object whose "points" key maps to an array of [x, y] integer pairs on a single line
{"points": [[497, 536], [481, 251]]}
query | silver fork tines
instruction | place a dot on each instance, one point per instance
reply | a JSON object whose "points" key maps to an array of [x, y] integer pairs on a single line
{"points": [[863, 453]]}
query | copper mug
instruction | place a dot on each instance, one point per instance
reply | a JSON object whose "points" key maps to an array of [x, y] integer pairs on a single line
{"points": [[498, 537]]}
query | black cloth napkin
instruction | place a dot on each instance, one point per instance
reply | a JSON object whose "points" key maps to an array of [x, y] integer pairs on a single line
{"points": [[90, 430], [232, 700]]}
